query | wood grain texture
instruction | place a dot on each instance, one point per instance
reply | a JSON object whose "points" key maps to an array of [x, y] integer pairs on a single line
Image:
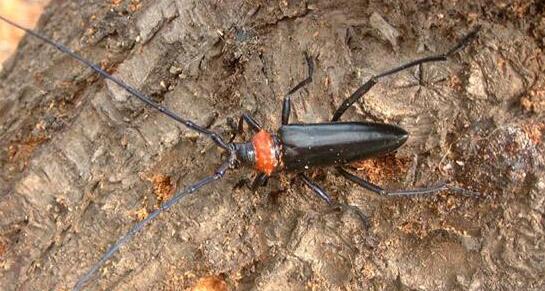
{"points": [[77, 153]]}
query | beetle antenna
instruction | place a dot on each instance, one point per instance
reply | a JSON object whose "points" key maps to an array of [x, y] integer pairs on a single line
{"points": [[188, 123], [220, 172]]}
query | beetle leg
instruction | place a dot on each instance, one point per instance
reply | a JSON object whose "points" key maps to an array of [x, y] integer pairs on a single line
{"points": [[316, 188], [254, 125], [286, 104], [286, 109], [369, 84], [374, 188], [259, 181]]}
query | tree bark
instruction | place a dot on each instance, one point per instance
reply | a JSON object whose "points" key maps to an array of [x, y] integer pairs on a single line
{"points": [[82, 160]]}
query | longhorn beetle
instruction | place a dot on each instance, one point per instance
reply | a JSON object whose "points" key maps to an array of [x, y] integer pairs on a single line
{"points": [[295, 147]]}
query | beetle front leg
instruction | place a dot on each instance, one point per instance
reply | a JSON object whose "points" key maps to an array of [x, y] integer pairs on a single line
{"points": [[286, 104], [245, 117]]}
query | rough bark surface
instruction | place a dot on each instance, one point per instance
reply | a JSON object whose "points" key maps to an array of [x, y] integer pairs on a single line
{"points": [[81, 160]]}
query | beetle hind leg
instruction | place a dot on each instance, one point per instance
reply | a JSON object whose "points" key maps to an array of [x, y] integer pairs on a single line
{"points": [[358, 94], [374, 188]]}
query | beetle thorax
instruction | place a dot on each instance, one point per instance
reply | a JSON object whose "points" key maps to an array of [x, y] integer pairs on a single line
{"points": [[261, 153]]}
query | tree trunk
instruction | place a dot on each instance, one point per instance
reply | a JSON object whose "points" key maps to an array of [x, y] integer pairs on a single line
{"points": [[82, 160]]}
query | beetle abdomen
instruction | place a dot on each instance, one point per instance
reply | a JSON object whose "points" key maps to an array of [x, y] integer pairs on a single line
{"points": [[336, 143]]}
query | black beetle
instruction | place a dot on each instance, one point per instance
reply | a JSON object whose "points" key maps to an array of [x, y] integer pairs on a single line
{"points": [[295, 147]]}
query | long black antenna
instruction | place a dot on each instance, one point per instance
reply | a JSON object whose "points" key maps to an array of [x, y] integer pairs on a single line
{"points": [[188, 123], [218, 174]]}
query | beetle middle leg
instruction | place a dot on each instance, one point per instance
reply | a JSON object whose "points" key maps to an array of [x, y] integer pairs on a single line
{"points": [[286, 110], [286, 104], [316, 188]]}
